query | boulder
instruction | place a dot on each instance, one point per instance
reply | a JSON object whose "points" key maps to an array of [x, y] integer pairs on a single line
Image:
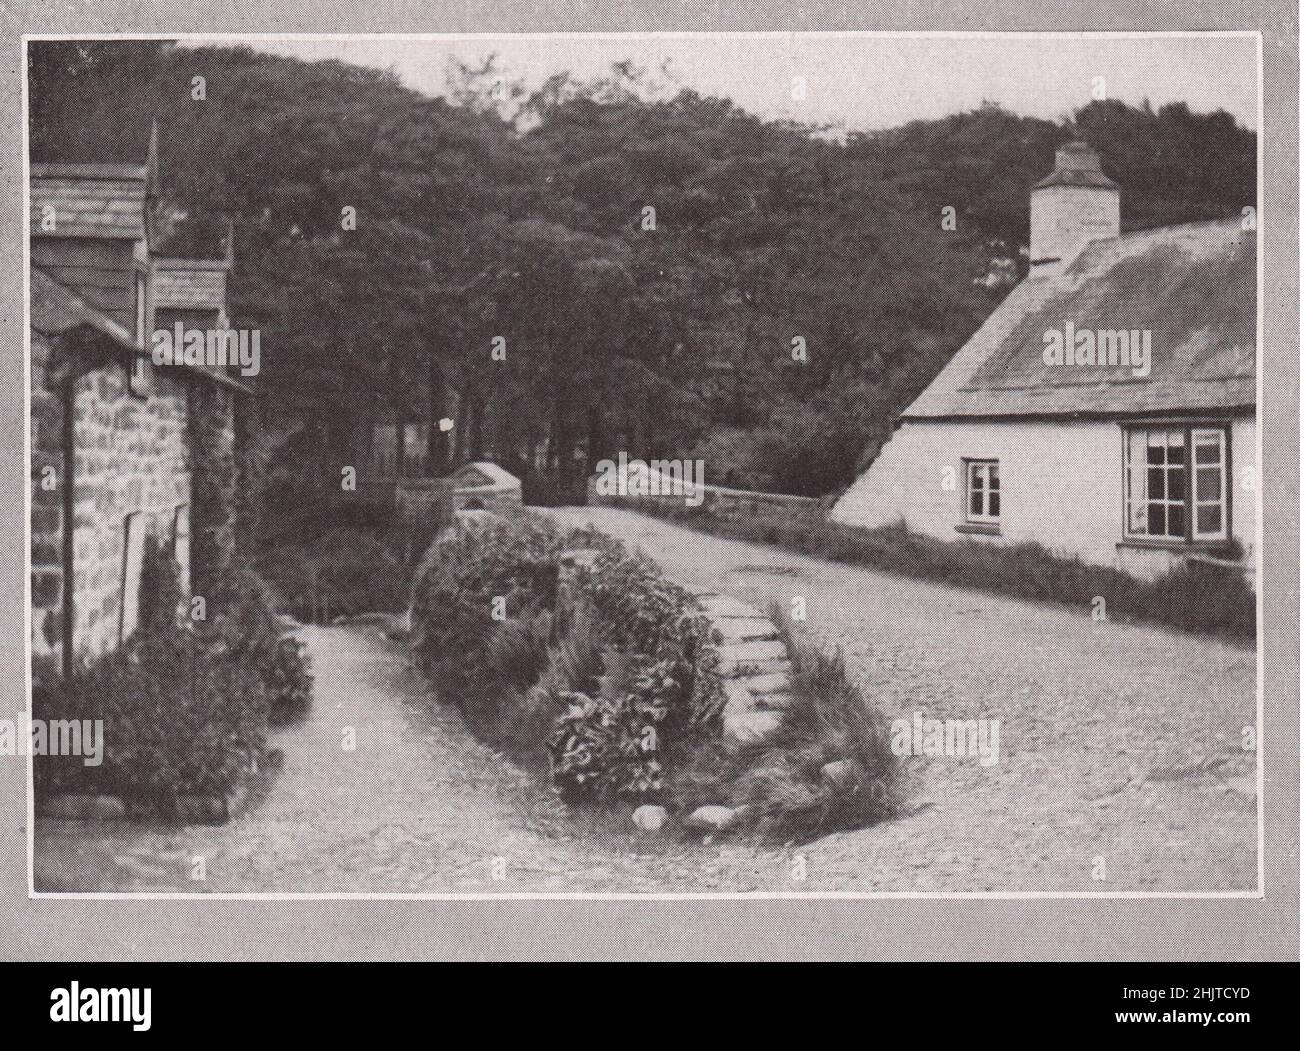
{"points": [[711, 818], [649, 818], [752, 725], [838, 773]]}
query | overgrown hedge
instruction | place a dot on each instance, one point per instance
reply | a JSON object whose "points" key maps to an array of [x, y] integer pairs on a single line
{"points": [[596, 697], [185, 703], [1194, 596], [609, 694]]}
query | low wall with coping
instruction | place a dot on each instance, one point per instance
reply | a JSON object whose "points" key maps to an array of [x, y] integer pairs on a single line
{"points": [[714, 499]]}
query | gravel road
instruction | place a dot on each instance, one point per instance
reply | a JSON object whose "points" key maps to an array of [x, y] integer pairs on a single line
{"points": [[1119, 747]]}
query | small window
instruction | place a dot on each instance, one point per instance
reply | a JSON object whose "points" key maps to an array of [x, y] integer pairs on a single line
{"points": [[132, 566], [181, 544], [138, 374], [415, 449], [983, 492], [1175, 483]]}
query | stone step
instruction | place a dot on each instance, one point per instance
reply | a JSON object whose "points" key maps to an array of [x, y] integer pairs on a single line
{"points": [[772, 702], [718, 606], [745, 629], [754, 663], [749, 726], [774, 682]]}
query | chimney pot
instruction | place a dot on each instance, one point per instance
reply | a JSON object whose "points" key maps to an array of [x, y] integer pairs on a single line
{"points": [[1075, 205]]}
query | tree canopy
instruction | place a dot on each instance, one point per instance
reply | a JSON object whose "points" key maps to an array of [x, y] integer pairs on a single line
{"points": [[649, 257]]}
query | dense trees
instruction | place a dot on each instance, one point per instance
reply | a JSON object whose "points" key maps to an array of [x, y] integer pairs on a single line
{"points": [[649, 261]]}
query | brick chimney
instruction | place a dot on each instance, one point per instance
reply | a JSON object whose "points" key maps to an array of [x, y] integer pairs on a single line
{"points": [[1070, 209]]}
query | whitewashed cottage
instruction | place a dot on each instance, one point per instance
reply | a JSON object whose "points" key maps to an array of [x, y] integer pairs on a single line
{"points": [[1106, 409]]}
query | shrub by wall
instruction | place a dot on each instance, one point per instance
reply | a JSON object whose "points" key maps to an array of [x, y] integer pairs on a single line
{"points": [[185, 703], [471, 582]]}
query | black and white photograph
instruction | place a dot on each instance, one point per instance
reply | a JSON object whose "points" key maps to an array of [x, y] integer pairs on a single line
{"points": [[555, 483], [644, 464]]}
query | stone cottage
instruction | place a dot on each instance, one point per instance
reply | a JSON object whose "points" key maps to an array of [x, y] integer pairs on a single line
{"points": [[122, 448], [1106, 409]]}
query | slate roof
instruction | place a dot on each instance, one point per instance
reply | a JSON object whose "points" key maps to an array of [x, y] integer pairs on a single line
{"points": [[90, 200], [1077, 165], [1192, 286], [55, 310]]}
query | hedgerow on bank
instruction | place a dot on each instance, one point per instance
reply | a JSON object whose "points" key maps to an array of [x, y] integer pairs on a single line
{"points": [[610, 693], [1194, 596]]}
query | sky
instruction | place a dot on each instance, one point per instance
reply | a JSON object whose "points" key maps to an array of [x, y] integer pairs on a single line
{"points": [[855, 81]]}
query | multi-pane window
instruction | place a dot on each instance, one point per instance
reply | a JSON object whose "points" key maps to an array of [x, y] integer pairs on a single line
{"points": [[1175, 486], [415, 449], [983, 492]]}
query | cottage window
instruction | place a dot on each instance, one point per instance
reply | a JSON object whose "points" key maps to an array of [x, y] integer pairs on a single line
{"points": [[983, 492], [1175, 483], [181, 544], [138, 374], [132, 567]]}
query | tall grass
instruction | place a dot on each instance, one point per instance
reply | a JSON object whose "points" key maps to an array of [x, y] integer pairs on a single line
{"points": [[1194, 596], [777, 784]]}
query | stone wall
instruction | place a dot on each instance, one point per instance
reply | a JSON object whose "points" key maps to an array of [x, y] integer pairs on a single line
{"points": [[131, 458], [47, 513], [134, 459], [718, 501]]}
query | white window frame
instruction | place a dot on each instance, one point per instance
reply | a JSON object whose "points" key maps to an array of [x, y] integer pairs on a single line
{"points": [[1221, 433], [1194, 436], [987, 471]]}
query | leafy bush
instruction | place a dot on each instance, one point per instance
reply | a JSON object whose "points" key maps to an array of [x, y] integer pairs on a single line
{"points": [[619, 728], [582, 691], [181, 714], [244, 626], [288, 682], [345, 573], [639, 610], [777, 784], [512, 564], [185, 703], [607, 743]]}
